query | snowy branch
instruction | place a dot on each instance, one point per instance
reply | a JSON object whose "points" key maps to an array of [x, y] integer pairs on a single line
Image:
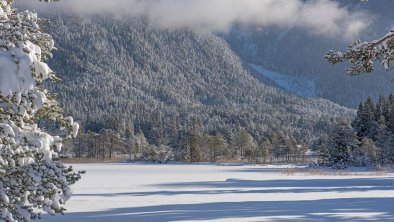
{"points": [[362, 55]]}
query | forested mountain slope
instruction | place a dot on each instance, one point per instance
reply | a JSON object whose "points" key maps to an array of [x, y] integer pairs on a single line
{"points": [[159, 80], [299, 53]]}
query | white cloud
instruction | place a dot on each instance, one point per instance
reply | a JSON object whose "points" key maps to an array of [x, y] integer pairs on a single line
{"points": [[323, 17]]}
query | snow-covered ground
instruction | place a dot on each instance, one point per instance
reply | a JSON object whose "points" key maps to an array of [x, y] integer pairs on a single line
{"points": [[178, 192], [300, 86]]}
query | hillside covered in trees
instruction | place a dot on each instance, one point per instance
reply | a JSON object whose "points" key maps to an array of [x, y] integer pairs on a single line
{"points": [[163, 83], [298, 53]]}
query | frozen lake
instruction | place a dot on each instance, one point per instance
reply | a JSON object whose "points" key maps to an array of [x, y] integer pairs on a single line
{"points": [[155, 193]]}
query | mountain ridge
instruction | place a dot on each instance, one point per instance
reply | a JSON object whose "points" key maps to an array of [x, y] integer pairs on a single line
{"points": [[151, 76], [296, 52]]}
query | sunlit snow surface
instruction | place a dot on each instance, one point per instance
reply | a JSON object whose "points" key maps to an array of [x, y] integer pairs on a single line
{"points": [[176, 192]]}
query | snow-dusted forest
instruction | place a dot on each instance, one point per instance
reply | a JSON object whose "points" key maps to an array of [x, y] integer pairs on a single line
{"points": [[196, 110]]}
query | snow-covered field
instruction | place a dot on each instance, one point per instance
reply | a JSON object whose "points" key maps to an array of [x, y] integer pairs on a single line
{"points": [[177, 192]]}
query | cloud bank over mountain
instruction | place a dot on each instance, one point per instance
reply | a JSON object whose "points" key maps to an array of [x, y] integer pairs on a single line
{"points": [[321, 17]]}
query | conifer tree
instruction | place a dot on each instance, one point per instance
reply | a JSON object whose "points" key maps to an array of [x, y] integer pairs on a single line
{"points": [[217, 146], [364, 120], [381, 109], [32, 178], [129, 140], [384, 140], [370, 152], [141, 145], [243, 142], [342, 143], [390, 118], [265, 150]]}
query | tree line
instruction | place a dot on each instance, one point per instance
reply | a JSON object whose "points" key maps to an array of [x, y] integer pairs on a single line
{"points": [[127, 140]]}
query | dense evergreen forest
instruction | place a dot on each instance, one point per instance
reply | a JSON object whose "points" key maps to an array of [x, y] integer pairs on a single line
{"points": [[171, 88], [367, 140]]}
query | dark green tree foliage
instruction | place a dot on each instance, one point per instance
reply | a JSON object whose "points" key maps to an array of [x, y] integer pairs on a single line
{"points": [[189, 149], [217, 147], [370, 152], [264, 149], [341, 145], [364, 121], [373, 126]]}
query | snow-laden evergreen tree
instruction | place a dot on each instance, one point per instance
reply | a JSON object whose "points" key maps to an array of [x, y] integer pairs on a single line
{"points": [[342, 144], [32, 179]]}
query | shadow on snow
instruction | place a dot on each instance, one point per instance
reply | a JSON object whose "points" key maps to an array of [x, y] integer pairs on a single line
{"points": [[316, 210], [304, 210]]}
